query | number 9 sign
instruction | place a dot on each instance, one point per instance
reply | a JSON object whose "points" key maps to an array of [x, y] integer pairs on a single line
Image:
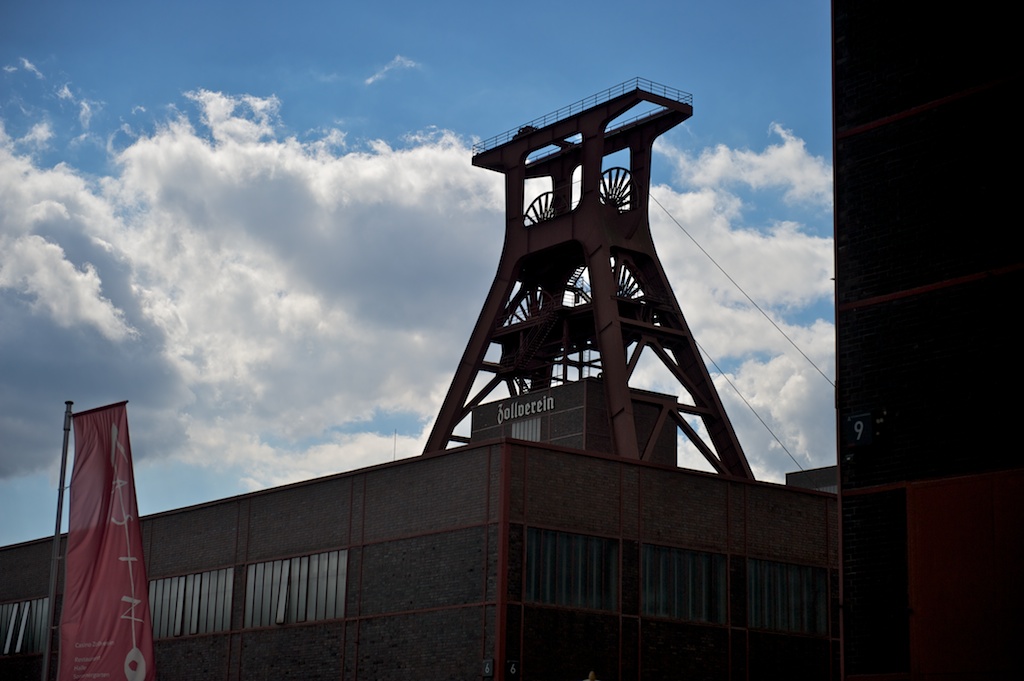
{"points": [[858, 430]]}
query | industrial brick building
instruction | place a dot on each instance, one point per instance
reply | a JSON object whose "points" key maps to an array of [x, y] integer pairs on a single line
{"points": [[540, 550], [929, 277], [539, 561], [559, 537]]}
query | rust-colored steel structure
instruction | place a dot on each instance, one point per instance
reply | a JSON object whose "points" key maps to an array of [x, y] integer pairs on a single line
{"points": [[580, 291]]}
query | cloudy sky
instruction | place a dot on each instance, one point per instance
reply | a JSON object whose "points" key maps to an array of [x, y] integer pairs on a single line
{"points": [[259, 223]]}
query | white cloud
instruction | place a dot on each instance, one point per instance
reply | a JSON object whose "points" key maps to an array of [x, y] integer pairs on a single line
{"points": [[31, 68], [778, 264], [281, 297], [84, 113], [262, 465], [53, 202], [70, 295], [793, 400], [254, 121], [803, 177], [268, 265], [38, 136], [718, 258], [399, 62], [86, 108]]}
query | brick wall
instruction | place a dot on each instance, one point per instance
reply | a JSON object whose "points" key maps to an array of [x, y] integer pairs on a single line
{"points": [[639, 503], [876, 591], [26, 570], [422, 545], [423, 541]]}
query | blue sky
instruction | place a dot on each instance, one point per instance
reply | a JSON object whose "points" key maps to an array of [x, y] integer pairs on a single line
{"points": [[259, 223]]}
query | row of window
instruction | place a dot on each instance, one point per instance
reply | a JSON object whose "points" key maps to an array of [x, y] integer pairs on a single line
{"points": [[581, 571], [191, 604], [303, 589], [23, 626], [561, 569], [306, 589]]}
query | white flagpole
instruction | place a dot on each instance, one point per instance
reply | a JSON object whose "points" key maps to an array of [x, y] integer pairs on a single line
{"points": [[55, 555]]}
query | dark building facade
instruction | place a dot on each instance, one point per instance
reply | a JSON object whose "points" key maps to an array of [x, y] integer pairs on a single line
{"points": [[929, 274], [504, 559], [822, 479]]}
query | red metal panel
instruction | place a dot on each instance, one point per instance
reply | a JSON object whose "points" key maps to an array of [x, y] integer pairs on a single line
{"points": [[966, 560]]}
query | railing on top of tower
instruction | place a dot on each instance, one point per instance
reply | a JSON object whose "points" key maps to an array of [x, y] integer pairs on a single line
{"points": [[584, 104]]}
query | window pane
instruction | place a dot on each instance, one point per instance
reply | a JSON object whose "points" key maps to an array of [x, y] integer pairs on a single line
{"points": [[250, 595], [300, 589], [332, 585], [267, 602], [8, 616], [339, 610], [281, 569], [313, 586], [302, 613], [208, 602], [176, 601], [41, 608], [23, 626], [199, 603], [22, 622], [193, 590], [787, 597], [214, 606], [220, 593], [155, 586], [294, 575], [682, 584], [570, 569], [321, 589], [549, 555], [313, 575]]}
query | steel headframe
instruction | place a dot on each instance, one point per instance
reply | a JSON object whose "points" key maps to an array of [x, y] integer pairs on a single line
{"points": [[580, 290]]}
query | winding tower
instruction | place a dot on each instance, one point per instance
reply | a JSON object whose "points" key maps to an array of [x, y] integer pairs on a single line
{"points": [[580, 291]]}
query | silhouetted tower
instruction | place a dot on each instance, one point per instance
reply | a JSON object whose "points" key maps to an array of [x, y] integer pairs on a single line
{"points": [[580, 291]]}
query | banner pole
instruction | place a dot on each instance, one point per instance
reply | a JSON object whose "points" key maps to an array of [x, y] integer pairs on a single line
{"points": [[55, 554]]}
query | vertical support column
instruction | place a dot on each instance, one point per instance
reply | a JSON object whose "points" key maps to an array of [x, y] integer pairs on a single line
{"points": [[608, 327]]}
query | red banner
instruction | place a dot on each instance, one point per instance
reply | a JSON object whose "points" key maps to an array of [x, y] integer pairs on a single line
{"points": [[105, 629]]}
